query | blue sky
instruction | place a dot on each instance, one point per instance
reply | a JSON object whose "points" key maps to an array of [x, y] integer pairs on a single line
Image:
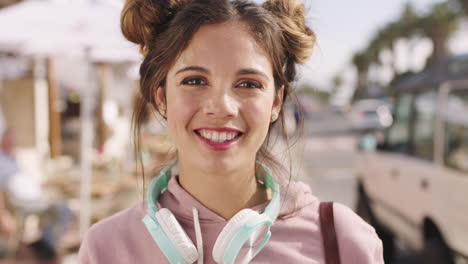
{"points": [[343, 27]]}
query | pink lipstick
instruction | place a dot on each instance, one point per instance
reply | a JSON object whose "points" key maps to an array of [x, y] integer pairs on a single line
{"points": [[230, 137]]}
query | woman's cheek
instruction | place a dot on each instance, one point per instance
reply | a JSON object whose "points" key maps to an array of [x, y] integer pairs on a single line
{"points": [[260, 112], [181, 110]]}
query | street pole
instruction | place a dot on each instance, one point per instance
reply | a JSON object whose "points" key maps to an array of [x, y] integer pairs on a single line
{"points": [[87, 128], [41, 116], [55, 133], [103, 70]]}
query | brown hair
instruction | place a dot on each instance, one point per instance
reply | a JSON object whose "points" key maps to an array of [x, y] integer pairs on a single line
{"points": [[164, 28]]}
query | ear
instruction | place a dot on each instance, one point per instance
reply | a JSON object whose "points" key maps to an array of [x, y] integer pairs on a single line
{"points": [[278, 102], [160, 100]]}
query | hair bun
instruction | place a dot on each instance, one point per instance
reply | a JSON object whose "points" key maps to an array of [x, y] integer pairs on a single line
{"points": [[140, 20], [300, 39]]}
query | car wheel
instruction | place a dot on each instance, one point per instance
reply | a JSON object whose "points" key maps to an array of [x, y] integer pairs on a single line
{"points": [[364, 210], [436, 251]]}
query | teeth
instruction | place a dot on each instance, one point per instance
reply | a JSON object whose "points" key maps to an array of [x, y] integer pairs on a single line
{"points": [[222, 137], [217, 136]]}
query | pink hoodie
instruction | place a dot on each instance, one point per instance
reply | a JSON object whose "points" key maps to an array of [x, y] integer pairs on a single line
{"points": [[296, 238]]}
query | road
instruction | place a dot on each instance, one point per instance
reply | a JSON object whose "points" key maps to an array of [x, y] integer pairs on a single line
{"points": [[327, 165]]}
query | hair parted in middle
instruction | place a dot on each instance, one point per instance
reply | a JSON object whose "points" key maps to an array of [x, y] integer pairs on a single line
{"points": [[164, 28]]}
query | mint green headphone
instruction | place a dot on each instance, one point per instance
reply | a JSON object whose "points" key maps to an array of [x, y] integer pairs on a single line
{"points": [[243, 237]]}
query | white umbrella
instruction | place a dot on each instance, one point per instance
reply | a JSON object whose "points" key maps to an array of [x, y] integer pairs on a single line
{"points": [[66, 28], [72, 28]]}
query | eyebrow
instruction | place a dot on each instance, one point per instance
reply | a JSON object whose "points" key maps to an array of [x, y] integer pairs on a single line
{"points": [[252, 71], [193, 68], [206, 71]]}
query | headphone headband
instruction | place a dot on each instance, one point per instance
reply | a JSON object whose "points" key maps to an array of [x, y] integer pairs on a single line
{"points": [[157, 186]]}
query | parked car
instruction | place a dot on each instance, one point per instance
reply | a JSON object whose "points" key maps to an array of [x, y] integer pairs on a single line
{"points": [[414, 186], [370, 114]]}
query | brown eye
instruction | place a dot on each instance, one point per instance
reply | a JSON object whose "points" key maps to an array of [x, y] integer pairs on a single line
{"points": [[250, 84], [194, 81]]}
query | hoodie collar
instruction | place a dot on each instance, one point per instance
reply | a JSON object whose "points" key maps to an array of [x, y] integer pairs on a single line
{"points": [[295, 196], [180, 202]]}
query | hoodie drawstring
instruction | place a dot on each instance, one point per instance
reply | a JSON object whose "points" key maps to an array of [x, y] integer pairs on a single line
{"points": [[198, 235]]}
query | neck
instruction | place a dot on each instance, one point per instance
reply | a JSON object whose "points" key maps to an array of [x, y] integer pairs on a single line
{"points": [[225, 194]]}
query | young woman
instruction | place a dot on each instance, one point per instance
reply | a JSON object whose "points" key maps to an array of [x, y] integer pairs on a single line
{"points": [[218, 71]]}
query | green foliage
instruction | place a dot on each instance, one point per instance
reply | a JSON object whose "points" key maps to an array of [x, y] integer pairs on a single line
{"points": [[464, 5], [337, 81], [309, 90], [438, 25], [461, 5], [362, 61]]}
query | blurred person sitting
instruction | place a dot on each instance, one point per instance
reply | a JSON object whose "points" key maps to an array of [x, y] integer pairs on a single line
{"points": [[16, 193], [21, 196]]}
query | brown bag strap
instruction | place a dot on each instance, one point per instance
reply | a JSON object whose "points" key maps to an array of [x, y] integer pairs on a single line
{"points": [[327, 226]]}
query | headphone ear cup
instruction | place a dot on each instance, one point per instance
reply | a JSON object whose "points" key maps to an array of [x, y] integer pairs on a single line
{"points": [[177, 235], [231, 228]]}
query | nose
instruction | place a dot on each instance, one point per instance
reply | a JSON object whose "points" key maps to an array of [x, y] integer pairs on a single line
{"points": [[220, 104]]}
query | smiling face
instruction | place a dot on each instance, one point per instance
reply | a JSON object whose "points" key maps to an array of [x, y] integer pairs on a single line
{"points": [[220, 95]]}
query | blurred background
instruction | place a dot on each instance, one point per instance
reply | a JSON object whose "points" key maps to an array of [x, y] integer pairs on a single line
{"points": [[384, 102]]}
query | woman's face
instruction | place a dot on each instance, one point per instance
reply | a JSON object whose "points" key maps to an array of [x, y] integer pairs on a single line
{"points": [[219, 98]]}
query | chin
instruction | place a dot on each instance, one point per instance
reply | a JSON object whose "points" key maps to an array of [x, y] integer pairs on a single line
{"points": [[218, 163]]}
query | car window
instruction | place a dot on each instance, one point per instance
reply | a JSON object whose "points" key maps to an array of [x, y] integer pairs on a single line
{"points": [[424, 125], [398, 133], [456, 130]]}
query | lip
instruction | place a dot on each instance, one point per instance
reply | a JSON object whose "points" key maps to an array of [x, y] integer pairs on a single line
{"points": [[219, 146]]}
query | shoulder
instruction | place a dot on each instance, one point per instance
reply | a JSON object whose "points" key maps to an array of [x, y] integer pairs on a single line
{"points": [[297, 199], [357, 240], [111, 234], [120, 221]]}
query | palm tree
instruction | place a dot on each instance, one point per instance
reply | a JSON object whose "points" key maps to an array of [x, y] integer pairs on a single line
{"points": [[337, 82], [362, 62], [385, 40], [462, 4], [387, 37], [403, 28], [410, 31], [408, 21], [438, 26]]}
